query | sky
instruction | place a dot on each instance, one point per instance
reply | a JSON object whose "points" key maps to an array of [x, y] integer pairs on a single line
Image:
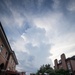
{"points": [[39, 31]]}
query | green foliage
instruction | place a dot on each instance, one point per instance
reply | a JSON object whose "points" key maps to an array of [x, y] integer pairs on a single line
{"points": [[50, 71], [62, 72], [45, 69]]}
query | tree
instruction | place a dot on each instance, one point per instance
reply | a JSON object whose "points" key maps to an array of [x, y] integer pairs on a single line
{"points": [[47, 69], [44, 69], [62, 72]]}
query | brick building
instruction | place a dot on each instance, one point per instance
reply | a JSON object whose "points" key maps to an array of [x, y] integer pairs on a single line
{"points": [[8, 60], [66, 64], [12, 62]]}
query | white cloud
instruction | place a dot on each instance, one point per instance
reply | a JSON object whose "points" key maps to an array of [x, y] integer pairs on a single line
{"points": [[48, 21], [57, 26], [37, 42], [19, 45]]}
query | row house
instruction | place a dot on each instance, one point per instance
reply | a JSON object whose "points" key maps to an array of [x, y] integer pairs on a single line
{"points": [[66, 64], [8, 60]]}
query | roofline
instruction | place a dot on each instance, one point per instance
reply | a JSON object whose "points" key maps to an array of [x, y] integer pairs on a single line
{"points": [[5, 38], [70, 59], [8, 45], [14, 56]]}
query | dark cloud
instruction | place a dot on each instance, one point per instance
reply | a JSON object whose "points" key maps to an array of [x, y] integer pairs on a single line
{"points": [[4, 10], [27, 6]]}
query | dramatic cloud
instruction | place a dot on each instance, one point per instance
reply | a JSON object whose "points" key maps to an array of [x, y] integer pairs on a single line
{"points": [[37, 29]]}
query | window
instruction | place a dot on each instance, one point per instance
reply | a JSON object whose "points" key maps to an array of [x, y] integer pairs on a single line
{"points": [[69, 66], [59, 61], [6, 54], [1, 47], [11, 61]]}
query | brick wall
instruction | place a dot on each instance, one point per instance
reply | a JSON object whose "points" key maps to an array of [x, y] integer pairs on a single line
{"points": [[3, 53], [63, 60], [11, 64], [56, 63]]}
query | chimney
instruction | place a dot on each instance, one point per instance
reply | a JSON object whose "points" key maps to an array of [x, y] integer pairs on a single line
{"points": [[56, 63], [63, 60]]}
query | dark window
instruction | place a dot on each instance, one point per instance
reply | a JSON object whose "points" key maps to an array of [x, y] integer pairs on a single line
{"points": [[6, 54], [69, 66], [2, 66], [1, 47]]}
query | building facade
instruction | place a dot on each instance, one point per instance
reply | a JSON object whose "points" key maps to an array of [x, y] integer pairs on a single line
{"points": [[12, 62], [8, 60], [66, 64]]}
